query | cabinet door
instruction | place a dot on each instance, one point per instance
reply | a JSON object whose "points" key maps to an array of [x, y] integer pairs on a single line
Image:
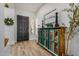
{"points": [[62, 41], [56, 41]]}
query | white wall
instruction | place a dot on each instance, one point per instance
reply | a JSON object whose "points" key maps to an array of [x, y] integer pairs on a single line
{"points": [[51, 6], [11, 5], [3, 50], [6, 30], [1, 28], [10, 31], [73, 43]]}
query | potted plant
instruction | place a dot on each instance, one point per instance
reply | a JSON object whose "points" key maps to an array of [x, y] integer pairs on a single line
{"points": [[8, 21], [6, 5], [73, 14], [49, 25]]}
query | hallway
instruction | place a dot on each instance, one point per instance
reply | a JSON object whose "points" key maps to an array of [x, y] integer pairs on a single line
{"points": [[28, 48]]}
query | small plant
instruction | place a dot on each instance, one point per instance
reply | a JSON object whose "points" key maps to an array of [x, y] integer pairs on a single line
{"points": [[49, 25], [6, 5], [8, 21]]}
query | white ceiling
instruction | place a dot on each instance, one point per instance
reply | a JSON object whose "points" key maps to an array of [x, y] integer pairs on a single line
{"points": [[31, 7]]}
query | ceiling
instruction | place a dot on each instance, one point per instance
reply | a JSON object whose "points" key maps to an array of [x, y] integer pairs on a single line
{"points": [[31, 7]]}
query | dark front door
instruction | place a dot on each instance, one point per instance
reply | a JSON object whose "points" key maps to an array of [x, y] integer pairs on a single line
{"points": [[22, 28]]}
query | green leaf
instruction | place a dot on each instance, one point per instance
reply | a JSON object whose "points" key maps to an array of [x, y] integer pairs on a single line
{"points": [[70, 17], [78, 23], [8, 21], [6, 5]]}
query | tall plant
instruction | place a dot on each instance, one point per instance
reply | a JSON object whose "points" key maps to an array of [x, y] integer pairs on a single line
{"points": [[73, 14]]}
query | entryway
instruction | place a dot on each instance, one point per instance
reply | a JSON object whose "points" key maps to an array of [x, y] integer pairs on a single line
{"points": [[22, 28]]}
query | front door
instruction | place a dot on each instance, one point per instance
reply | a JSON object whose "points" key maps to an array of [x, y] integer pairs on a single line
{"points": [[22, 28]]}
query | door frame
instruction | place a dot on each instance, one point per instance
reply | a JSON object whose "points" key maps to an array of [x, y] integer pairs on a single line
{"points": [[17, 27]]}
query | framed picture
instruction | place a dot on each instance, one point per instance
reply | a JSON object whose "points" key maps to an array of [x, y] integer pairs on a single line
{"points": [[50, 18]]}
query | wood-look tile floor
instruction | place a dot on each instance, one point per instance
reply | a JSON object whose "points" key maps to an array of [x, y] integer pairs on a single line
{"points": [[28, 48]]}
